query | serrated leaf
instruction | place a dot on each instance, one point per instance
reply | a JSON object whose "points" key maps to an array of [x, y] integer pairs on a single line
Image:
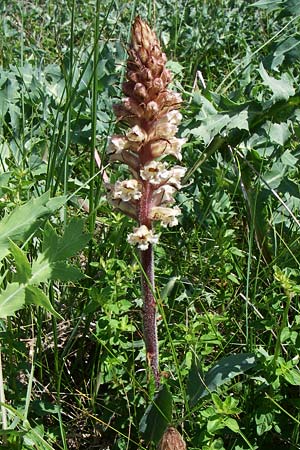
{"points": [[288, 159], [275, 175], [12, 299], [223, 371], [50, 242], [60, 248], [64, 272], [34, 296], [239, 121], [72, 241], [50, 263], [279, 133], [23, 219], [23, 268], [157, 416], [282, 89], [41, 270]]}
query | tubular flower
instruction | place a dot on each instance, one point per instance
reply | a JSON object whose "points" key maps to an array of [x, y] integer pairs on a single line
{"points": [[151, 111], [142, 237]]}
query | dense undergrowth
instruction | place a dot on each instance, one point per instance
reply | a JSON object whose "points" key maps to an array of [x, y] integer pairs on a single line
{"points": [[73, 369]]}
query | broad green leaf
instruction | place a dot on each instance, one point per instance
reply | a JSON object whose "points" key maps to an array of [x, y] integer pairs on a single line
{"points": [[50, 242], [279, 133], [72, 241], [214, 424], [292, 376], [50, 263], [274, 176], [23, 219], [37, 297], [287, 50], [195, 379], [12, 298], [232, 424], [293, 7], [60, 248], [23, 267], [64, 272], [223, 371], [282, 89], [288, 159], [239, 121], [157, 416], [41, 270], [270, 5]]}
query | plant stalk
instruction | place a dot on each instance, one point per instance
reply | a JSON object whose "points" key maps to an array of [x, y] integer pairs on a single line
{"points": [[149, 312]]}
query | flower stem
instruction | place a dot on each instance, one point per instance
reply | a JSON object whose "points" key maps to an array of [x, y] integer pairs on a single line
{"points": [[149, 312]]}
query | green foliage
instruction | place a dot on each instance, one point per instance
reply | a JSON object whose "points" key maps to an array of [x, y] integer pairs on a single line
{"points": [[49, 265], [227, 278], [157, 416]]}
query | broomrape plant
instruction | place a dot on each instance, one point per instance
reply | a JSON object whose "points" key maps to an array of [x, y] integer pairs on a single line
{"points": [[151, 111]]}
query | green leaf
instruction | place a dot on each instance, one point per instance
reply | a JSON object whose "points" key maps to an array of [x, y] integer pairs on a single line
{"points": [[223, 371], [239, 121], [282, 89], [195, 379], [279, 133], [270, 5], [293, 7], [64, 272], [41, 270], [215, 424], [11, 299], [22, 264], [288, 159], [23, 220], [50, 265], [37, 297], [292, 376], [274, 176], [157, 416], [73, 240], [60, 248], [232, 424]]}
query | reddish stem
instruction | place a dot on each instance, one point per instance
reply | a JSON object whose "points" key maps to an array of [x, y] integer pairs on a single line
{"points": [[148, 287], [149, 311]]}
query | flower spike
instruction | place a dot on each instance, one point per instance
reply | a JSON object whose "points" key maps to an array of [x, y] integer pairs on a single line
{"points": [[150, 108]]}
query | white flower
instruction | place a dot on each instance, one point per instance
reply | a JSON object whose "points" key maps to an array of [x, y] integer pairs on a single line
{"points": [[164, 194], [171, 146], [165, 130], [177, 172], [127, 190], [136, 134], [167, 216], [117, 144], [155, 172], [142, 237]]}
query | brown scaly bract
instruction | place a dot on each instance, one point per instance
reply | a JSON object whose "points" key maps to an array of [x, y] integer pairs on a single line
{"points": [[151, 110], [171, 440]]}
